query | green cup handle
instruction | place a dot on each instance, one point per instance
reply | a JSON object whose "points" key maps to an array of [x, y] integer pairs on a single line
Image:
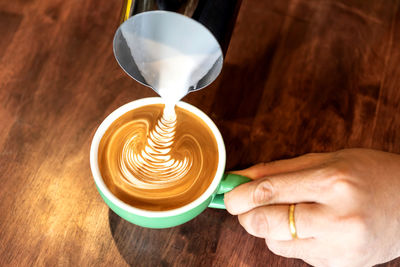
{"points": [[228, 182]]}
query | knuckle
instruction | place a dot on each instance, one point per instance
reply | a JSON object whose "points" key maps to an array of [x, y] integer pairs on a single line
{"points": [[345, 188], [337, 180], [263, 193]]}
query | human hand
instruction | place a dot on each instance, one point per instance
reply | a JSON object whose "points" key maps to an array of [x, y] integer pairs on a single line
{"points": [[347, 209]]}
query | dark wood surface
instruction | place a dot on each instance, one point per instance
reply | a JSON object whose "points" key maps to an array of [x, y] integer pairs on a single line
{"points": [[299, 76]]}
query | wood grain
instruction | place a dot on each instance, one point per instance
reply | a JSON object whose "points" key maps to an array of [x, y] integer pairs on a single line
{"points": [[299, 76]]}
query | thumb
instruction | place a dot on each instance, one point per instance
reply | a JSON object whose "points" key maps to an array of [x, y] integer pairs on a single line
{"points": [[253, 172], [283, 166]]}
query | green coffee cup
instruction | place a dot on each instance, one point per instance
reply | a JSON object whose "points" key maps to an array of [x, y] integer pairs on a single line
{"points": [[213, 196]]}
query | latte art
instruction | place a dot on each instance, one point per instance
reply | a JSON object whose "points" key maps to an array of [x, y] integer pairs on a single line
{"points": [[155, 165], [158, 162]]}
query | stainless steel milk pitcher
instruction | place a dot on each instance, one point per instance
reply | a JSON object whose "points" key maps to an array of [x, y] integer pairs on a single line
{"points": [[218, 16], [194, 33]]}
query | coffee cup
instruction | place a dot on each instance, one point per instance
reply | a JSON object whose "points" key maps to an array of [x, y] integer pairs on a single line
{"points": [[212, 197]]}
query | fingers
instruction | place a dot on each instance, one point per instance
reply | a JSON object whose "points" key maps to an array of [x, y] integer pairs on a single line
{"points": [[272, 222], [299, 248], [284, 166], [295, 187]]}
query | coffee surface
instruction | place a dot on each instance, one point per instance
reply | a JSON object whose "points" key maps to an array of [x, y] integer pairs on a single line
{"points": [[157, 162]]}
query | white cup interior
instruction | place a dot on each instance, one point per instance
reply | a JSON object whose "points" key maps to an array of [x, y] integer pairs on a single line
{"points": [[148, 213]]}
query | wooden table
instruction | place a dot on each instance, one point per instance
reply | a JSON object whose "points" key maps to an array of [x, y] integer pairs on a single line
{"points": [[299, 76]]}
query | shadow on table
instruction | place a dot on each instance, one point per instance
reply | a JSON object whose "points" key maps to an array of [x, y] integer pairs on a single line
{"points": [[191, 244]]}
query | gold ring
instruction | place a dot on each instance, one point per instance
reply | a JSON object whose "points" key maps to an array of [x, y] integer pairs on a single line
{"points": [[292, 225]]}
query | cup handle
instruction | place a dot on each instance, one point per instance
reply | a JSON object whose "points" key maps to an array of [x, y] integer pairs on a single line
{"points": [[228, 182]]}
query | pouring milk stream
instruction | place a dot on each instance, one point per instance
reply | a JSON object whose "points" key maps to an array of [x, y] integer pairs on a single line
{"points": [[171, 71]]}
